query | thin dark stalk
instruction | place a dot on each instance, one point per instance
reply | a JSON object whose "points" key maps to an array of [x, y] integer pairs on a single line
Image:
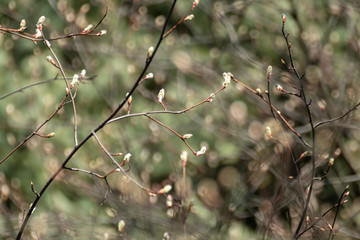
{"points": [[101, 125]]}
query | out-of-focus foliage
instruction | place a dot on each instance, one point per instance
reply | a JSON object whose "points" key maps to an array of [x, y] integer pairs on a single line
{"points": [[244, 187]]}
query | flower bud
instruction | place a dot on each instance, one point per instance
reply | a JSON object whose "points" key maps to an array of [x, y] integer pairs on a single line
{"points": [[74, 81], [127, 158], [165, 189], [269, 71], [268, 132], [283, 17], [50, 135], [169, 201], [87, 29], [83, 73], [161, 95], [51, 60], [37, 34], [184, 156], [149, 76], [187, 136], [102, 32], [258, 91], [189, 17], [201, 152], [121, 226], [279, 87], [40, 21], [331, 161], [196, 2], [22, 25], [227, 77], [150, 51]]}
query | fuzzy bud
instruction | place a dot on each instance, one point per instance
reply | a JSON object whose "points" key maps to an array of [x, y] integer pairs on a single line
{"points": [[268, 132], [269, 71], [83, 73], [87, 29], [169, 201], [187, 136], [149, 76], [184, 156], [165, 189], [51, 60], [40, 21], [74, 81], [161, 95], [283, 17], [50, 135], [150, 52], [331, 161], [102, 32], [129, 99], [259, 92], [201, 152], [38, 33], [22, 25], [189, 17], [127, 158], [211, 97], [166, 236], [121, 226], [195, 3], [279, 87]]}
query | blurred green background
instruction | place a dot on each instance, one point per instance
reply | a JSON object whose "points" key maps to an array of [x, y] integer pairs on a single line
{"points": [[244, 187]]}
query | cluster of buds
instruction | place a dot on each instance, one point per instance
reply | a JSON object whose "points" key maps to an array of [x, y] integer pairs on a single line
{"points": [[88, 29], [201, 151], [22, 25], [227, 76], [189, 17], [167, 188], [161, 95]]}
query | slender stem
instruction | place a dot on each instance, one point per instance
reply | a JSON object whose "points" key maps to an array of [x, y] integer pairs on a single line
{"points": [[101, 125]]}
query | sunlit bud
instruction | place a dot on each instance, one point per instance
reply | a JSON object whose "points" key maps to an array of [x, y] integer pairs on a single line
{"points": [[121, 226], [166, 236], [22, 25], [283, 17], [307, 220], [211, 97], [187, 136], [189, 17], [227, 78], [83, 73], [37, 34], [269, 71], [165, 189], [67, 90], [150, 51], [87, 29], [161, 95], [279, 87], [346, 194], [258, 91], [102, 32], [40, 21], [201, 152], [268, 132], [127, 158], [184, 156], [50, 135], [331, 161], [196, 2], [149, 76], [74, 81], [169, 201], [51, 60], [282, 61]]}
